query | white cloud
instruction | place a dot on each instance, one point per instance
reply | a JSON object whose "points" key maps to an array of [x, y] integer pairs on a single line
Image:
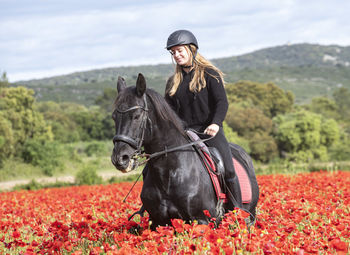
{"points": [[62, 37]]}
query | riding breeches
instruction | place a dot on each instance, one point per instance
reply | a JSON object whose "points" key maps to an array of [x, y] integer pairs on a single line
{"points": [[220, 143]]}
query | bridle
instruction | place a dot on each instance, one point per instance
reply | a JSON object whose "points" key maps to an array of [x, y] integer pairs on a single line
{"points": [[137, 142]]}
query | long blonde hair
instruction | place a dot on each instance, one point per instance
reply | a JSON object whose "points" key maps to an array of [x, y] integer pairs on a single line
{"points": [[200, 66]]}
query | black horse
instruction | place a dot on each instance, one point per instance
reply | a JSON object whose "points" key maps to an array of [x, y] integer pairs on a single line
{"points": [[176, 185]]}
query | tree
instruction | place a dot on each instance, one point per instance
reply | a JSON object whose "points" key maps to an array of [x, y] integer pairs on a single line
{"points": [[255, 127], [304, 136], [20, 121], [65, 130], [93, 125], [6, 138], [247, 121], [107, 99], [324, 106], [268, 97], [4, 82], [263, 147], [342, 99], [233, 137]]}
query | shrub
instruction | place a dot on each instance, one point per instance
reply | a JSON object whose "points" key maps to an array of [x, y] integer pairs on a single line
{"points": [[233, 137], [95, 148], [341, 150], [87, 176], [43, 154]]}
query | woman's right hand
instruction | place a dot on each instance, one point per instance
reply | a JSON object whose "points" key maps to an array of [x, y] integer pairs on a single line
{"points": [[212, 129]]}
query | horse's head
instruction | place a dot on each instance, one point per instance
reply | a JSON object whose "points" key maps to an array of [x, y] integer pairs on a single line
{"points": [[130, 117]]}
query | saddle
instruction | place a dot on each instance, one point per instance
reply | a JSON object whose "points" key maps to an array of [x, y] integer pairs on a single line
{"points": [[213, 162]]}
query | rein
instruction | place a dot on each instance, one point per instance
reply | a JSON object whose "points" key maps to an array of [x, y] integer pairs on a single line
{"points": [[166, 151], [136, 143], [159, 153]]}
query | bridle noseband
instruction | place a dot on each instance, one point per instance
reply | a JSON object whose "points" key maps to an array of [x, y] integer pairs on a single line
{"points": [[137, 142]]}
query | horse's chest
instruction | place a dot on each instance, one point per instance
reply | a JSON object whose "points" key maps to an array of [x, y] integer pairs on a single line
{"points": [[163, 204]]}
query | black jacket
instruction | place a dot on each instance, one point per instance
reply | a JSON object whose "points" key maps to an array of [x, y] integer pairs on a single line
{"points": [[199, 110]]}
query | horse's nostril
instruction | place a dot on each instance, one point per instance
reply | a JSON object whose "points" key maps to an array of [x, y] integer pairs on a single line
{"points": [[125, 158]]}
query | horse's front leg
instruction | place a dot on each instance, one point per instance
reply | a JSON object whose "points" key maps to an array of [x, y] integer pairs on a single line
{"points": [[159, 215]]}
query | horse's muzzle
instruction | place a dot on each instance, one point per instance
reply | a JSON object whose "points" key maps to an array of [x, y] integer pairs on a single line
{"points": [[123, 161]]}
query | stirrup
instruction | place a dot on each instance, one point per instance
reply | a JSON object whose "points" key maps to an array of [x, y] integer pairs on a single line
{"points": [[139, 212]]}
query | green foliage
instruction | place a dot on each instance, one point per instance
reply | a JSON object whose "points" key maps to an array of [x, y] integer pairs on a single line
{"points": [[300, 68], [269, 98], [329, 132], [107, 99], [34, 185], [72, 122], [255, 127], [93, 125], [233, 137], [95, 148], [324, 106], [16, 169], [64, 129], [4, 82], [7, 148], [87, 176], [341, 151], [263, 147], [342, 99], [19, 121], [43, 154], [248, 121], [18, 99], [305, 136], [252, 106]]}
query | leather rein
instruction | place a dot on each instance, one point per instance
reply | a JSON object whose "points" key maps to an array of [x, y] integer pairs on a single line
{"points": [[136, 143]]}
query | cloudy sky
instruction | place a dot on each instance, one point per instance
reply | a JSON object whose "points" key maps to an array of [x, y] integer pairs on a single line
{"points": [[43, 38]]}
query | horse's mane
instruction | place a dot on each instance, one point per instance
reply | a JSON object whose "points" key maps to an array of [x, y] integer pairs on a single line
{"points": [[164, 111]]}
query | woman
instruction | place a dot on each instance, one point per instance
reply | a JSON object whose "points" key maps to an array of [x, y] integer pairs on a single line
{"points": [[196, 92]]}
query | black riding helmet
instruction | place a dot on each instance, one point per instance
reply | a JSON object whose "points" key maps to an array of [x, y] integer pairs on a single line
{"points": [[181, 37]]}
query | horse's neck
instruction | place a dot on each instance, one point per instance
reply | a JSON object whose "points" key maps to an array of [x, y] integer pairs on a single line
{"points": [[164, 138]]}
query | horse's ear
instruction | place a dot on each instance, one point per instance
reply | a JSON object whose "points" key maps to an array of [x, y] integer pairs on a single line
{"points": [[121, 84], [140, 85]]}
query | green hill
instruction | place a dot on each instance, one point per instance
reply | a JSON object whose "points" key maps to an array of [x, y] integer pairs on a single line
{"points": [[308, 70]]}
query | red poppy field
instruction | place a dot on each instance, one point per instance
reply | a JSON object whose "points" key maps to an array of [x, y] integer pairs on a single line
{"points": [[297, 214]]}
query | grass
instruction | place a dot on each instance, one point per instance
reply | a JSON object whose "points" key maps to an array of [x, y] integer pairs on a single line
{"points": [[73, 156], [294, 168], [76, 156], [15, 169], [35, 185]]}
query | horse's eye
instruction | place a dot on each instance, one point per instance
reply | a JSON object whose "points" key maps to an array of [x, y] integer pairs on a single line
{"points": [[114, 115], [122, 107], [137, 116]]}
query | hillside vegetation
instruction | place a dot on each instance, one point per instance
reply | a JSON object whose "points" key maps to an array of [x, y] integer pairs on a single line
{"points": [[41, 130], [307, 70]]}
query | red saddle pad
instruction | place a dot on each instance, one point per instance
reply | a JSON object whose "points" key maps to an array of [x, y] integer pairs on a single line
{"points": [[244, 182]]}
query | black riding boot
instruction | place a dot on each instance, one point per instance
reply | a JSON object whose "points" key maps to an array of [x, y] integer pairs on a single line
{"points": [[234, 192]]}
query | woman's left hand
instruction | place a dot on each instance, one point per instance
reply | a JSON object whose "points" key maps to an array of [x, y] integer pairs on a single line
{"points": [[212, 129]]}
